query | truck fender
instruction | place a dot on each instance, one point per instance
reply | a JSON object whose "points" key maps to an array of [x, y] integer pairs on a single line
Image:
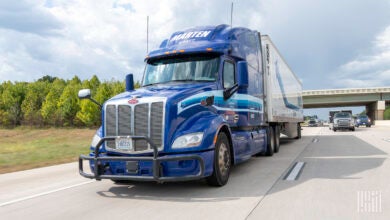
{"points": [[209, 124]]}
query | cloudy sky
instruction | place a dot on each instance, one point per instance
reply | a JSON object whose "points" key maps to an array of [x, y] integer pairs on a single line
{"points": [[328, 44]]}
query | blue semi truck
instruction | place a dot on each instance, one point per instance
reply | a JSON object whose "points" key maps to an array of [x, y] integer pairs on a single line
{"points": [[211, 97]]}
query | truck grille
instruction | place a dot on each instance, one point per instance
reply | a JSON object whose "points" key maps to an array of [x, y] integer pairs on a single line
{"points": [[343, 123], [143, 119]]}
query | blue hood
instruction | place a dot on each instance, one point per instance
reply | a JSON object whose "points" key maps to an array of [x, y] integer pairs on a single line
{"points": [[176, 122], [173, 91]]}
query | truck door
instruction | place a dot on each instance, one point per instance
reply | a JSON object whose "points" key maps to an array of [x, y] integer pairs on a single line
{"points": [[231, 103]]}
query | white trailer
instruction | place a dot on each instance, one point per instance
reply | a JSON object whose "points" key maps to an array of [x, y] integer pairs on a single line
{"points": [[283, 91]]}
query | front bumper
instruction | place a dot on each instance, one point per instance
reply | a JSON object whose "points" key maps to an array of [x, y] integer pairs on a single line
{"points": [[100, 164]]}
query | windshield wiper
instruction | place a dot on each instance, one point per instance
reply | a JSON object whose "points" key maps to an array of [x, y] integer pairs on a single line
{"points": [[152, 84], [182, 80]]}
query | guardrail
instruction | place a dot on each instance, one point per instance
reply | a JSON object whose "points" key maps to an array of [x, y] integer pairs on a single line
{"points": [[346, 91]]}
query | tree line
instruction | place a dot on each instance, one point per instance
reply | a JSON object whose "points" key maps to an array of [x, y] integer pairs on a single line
{"points": [[51, 101]]}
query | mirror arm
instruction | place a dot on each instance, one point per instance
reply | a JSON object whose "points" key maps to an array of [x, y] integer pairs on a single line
{"points": [[96, 102], [227, 93]]}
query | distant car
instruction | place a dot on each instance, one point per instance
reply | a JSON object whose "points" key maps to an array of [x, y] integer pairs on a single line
{"points": [[363, 120], [343, 120], [313, 123]]}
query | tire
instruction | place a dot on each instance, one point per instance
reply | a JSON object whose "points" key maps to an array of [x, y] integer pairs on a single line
{"points": [[277, 138], [353, 129], [334, 129], [270, 142], [299, 131], [222, 162]]}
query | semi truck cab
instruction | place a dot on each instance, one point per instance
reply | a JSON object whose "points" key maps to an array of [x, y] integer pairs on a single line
{"points": [[200, 110]]}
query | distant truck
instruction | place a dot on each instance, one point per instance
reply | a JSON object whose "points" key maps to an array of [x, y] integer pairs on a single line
{"points": [[331, 114], [341, 120], [211, 97]]}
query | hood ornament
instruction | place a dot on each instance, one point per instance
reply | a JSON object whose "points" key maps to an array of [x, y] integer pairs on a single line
{"points": [[133, 100]]}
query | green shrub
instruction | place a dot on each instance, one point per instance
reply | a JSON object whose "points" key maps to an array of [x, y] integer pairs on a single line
{"points": [[386, 114]]}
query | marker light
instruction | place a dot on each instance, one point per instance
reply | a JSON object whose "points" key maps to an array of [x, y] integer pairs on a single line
{"points": [[95, 140], [209, 49]]}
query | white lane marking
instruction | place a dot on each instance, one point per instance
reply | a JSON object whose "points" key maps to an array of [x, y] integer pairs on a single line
{"points": [[295, 171], [44, 193], [315, 140]]}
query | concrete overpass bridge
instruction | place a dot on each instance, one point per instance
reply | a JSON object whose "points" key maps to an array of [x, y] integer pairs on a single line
{"points": [[374, 99]]}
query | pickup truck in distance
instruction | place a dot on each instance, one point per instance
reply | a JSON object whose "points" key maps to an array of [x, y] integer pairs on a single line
{"points": [[343, 120]]}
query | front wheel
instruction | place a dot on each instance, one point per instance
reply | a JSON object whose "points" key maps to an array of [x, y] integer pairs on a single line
{"points": [[222, 162]]}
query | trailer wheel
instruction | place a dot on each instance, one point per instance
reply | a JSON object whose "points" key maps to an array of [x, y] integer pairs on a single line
{"points": [[277, 138], [222, 162], [299, 131], [270, 142]]}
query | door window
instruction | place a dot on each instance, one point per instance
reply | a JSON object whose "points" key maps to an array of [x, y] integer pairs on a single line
{"points": [[229, 79]]}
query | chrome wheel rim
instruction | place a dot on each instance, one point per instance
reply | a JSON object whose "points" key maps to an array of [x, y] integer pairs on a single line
{"points": [[223, 159]]}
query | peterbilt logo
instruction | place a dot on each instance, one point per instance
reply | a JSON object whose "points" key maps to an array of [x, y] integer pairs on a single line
{"points": [[133, 101]]}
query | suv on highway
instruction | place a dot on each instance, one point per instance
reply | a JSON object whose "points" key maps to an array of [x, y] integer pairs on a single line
{"points": [[363, 120], [343, 120], [313, 123]]}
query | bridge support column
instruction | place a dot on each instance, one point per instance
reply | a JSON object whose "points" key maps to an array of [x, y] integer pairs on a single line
{"points": [[376, 110]]}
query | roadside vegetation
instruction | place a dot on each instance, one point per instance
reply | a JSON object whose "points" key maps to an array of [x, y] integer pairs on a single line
{"points": [[41, 121], [24, 148], [387, 113], [51, 101]]}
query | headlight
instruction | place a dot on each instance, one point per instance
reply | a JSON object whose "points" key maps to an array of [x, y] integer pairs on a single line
{"points": [[95, 140], [188, 140]]}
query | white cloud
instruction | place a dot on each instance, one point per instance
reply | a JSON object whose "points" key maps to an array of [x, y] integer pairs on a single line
{"points": [[108, 38], [371, 70]]}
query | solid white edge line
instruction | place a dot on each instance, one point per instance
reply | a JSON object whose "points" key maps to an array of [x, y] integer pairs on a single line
{"points": [[294, 173], [44, 193]]}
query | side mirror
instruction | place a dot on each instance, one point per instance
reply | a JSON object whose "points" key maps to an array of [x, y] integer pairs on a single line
{"points": [[129, 82], [242, 75], [85, 94]]}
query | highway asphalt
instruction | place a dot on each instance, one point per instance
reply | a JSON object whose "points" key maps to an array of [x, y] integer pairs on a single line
{"points": [[338, 175]]}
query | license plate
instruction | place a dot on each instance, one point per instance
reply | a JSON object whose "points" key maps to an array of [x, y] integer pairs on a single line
{"points": [[124, 144]]}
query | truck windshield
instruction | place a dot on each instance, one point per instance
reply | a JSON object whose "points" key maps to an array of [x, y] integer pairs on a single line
{"points": [[342, 115], [182, 69]]}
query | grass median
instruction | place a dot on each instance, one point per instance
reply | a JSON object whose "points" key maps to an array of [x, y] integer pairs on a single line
{"points": [[24, 148]]}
